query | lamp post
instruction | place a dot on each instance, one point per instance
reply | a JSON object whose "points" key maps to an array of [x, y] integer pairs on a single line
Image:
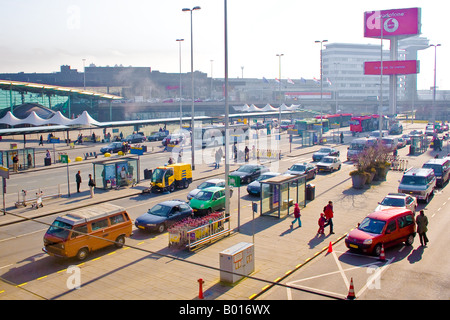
{"points": [[227, 133], [192, 83], [279, 55], [433, 117], [181, 100], [321, 83]]}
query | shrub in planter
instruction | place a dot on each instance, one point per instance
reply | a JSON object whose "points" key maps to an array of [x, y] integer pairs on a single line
{"points": [[359, 178]]}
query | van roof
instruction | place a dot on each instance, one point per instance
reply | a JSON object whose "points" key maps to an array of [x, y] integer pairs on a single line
{"points": [[86, 214], [423, 172], [437, 161], [389, 213]]}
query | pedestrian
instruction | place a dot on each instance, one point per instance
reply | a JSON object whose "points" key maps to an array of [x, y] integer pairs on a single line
{"points": [[296, 216], [78, 180], [217, 160], [180, 156], [41, 140], [328, 212], [16, 162], [91, 185], [246, 153], [422, 228], [342, 137], [321, 222]]}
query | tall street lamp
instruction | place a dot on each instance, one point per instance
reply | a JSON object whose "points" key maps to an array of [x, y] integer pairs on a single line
{"points": [[279, 55], [192, 82], [181, 100], [321, 83], [227, 120], [433, 118]]}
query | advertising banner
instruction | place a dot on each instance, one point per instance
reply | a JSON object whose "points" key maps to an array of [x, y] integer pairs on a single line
{"points": [[396, 22], [391, 67]]}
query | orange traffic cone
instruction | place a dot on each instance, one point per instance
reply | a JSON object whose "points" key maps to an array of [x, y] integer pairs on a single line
{"points": [[351, 291], [330, 248], [382, 255]]}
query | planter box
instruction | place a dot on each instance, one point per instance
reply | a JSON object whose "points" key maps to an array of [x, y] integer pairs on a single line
{"points": [[359, 181]]}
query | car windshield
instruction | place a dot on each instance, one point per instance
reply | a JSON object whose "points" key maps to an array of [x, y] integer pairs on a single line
{"points": [[356, 146], [298, 167], [158, 175], [204, 195], [264, 177], [206, 184], [327, 160], [372, 225], [59, 229], [160, 210], [413, 180], [245, 169], [393, 202], [325, 150], [129, 137], [436, 167]]}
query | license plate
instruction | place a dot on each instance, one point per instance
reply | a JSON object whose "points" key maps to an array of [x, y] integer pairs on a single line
{"points": [[141, 227], [353, 246]]}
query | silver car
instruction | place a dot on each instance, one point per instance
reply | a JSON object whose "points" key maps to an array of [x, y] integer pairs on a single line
{"points": [[207, 184], [329, 164]]}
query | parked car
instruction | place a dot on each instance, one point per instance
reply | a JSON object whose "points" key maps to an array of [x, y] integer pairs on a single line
{"points": [[173, 139], [254, 188], [441, 168], [207, 184], [112, 148], [430, 131], [407, 138], [323, 152], [401, 143], [329, 164], [386, 227], [157, 136], [208, 200], [135, 138], [163, 215], [399, 200], [419, 182], [249, 172], [309, 169]]}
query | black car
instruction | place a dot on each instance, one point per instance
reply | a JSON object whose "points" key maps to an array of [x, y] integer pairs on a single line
{"points": [[325, 151], [303, 168], [249, 172], [112, 147], [135, 138], [163, 215], [157, 136]]}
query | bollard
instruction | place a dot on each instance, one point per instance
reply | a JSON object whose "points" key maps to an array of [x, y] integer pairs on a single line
{"points": [[200, 288]]}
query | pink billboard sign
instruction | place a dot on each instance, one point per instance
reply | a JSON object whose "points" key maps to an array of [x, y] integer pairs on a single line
{"points": [[396, 23], [391, 67]]}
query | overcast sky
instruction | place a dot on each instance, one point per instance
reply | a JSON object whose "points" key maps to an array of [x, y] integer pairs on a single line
{"points": [[42, 35]]}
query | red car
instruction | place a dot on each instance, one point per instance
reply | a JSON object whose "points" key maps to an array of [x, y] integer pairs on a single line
{"points": [[386, 227]]}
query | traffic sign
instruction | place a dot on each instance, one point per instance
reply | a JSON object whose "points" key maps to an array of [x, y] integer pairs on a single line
{"points": [[234, 181], [64, 158]]}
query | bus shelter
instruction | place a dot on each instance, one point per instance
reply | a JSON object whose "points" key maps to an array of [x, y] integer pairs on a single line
{"points": [[419, 144], [26, 158], [280, 193], [116, 173]]}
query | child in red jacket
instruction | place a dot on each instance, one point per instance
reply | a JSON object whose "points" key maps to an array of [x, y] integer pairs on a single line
{"points": [[322, 222]]}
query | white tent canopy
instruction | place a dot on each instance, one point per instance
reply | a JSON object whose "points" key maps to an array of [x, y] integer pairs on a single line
{"points": [[57, 119], [253, 108], [268, 107]]}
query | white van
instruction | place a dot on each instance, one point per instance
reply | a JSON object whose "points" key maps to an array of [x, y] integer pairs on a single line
{"points": [[357, 146], [390, 143]]}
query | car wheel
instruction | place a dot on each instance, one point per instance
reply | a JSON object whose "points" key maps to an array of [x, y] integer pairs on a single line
{"points": [[410, 240], [120, 241], [82, 254], [161, 228], [172, 188], [339, 168], [377, 250]]}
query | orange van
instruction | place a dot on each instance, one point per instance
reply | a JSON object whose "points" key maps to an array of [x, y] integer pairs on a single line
{"points": [[386, 227], [79, 232]]}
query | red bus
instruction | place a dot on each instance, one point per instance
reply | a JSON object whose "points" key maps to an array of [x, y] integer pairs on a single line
{"points": [[367, 123]]}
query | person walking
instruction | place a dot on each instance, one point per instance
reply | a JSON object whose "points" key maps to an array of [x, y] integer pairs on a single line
{"points": [[422, 228], [41, 140], [296, 216], [329, 214], [16, 163], [91, 185], [78, 180], [321, 222]]}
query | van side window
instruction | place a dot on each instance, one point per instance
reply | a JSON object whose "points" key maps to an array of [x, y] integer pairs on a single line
{"points": [[79, 231], [100, 224], [391, 226], [116, 219]]}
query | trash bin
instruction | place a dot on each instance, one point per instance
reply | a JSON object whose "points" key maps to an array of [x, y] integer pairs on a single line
{"points": [[310, 192], [148, 174], [47, 161]]}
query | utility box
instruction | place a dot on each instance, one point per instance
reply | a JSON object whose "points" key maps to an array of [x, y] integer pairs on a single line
{"points": [[240, 259]]}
